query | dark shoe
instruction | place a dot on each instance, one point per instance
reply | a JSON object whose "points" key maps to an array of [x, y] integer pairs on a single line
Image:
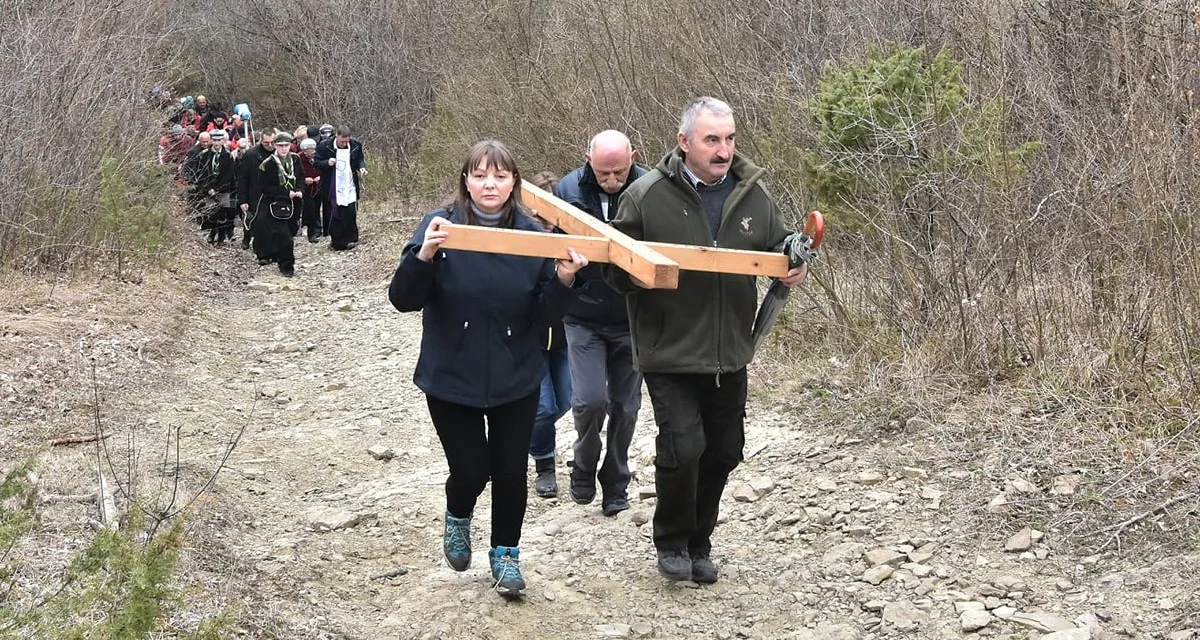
{"points": [[351, 245], [614, 505], [287, 273], [245, 244], [545, 484], [704, 570], [262, 262], [314, 239], [675, 565], [456, 542], [506, 571], [583, 490]]}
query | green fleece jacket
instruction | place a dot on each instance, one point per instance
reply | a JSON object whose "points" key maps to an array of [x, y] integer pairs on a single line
{"points": [[704, 326]]}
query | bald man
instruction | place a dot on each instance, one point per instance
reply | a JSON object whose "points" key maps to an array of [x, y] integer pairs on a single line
{"points": [[599, 351]]}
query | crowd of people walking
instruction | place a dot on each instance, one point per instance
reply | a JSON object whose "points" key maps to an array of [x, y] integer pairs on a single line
{"points": [[273, 183]]}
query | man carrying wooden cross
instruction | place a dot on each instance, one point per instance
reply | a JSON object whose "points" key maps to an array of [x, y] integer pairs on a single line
{"points": [[603, 381], [693, 343]]}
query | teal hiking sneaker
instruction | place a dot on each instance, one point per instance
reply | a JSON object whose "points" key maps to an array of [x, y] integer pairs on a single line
{"points": [[456, 542], [506, 570]]}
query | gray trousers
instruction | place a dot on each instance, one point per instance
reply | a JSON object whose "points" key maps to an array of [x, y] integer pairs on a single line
{"points": [[604, 384]]}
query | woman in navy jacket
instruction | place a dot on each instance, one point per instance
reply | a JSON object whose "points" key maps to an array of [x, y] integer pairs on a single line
{"points": [[480, 357]]}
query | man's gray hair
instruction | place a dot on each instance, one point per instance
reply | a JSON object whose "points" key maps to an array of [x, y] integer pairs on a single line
{"points": [[687, 123]]}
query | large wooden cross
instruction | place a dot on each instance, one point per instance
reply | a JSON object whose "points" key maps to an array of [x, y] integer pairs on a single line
{"points": [[654, 263]]}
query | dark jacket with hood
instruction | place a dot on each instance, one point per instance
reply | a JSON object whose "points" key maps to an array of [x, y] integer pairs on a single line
{"points": [[598, 303], [482, 315], [705, 325]]}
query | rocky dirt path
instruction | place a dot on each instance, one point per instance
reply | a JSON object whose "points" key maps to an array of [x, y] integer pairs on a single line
{"points": [[325, 522]]}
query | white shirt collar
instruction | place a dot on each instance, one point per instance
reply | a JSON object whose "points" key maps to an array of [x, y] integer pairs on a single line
{"points": [[696, 182]]}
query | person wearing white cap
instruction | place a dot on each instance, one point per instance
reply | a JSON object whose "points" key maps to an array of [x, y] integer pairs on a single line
{"points": [[311, 218], [217, 167]]}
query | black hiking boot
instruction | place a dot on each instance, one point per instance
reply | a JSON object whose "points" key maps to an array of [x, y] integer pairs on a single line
{"points": [[545, 484], [675, 565], [704, 570], [583, 488]]}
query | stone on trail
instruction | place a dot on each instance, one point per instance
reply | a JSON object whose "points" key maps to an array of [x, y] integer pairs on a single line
{"points": [[929, 493], [974, 619], [642, 628], [1041, 621], [876, 557], [859, 531], [613, 630], [1004, 613], [745, 493], [1021, 485], [266, 287], [877, 574], [1010, 583], [904, 616], [913, 473], [762, 485], [287, 347], [920, 557], [844, 553], [380, 452], [1021, 541], [869, 478], [1065, 485], [819, 515], [334, 520], [1069, 634]]}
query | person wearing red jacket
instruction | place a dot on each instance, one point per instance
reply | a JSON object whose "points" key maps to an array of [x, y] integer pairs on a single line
{"points": [[310, 218], [173, 149]]}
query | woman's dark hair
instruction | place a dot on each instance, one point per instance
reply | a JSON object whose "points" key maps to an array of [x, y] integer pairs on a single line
{"points": [[491, 154]]}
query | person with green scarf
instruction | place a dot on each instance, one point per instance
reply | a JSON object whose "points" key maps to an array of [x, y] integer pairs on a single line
{"points": [[281, 182]]}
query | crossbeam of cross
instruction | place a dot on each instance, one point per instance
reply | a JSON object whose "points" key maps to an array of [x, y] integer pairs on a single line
{"points": [[654, 263]]}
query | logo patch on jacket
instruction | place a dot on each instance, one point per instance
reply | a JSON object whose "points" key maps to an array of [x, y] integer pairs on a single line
{"points": [[746, 226]]}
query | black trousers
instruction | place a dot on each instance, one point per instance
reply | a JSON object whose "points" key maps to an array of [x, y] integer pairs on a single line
{"points": [[324, 208], [476, 455], [222, 228], [343, 226], [701, 433], [311, 220], [273, 238]]}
